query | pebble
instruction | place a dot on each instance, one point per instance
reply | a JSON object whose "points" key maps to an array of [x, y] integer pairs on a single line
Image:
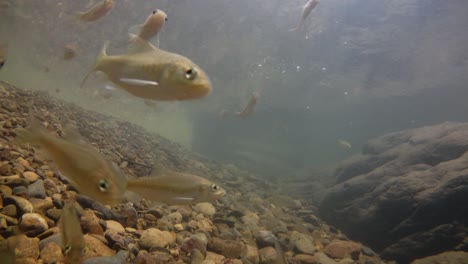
{"points": [[37, 190], [322, 258], [153, 237], [115, 226], [306, 259], [51, 253], [26, 247], [339, 249], [13, 181], [119, 258], [267, 255], [90, 223], [30, 176], [302, 243], [54, 213], [265, 238], [20, 191], [251, 253], [96, 248], [144, 257], [23, 205], [228, 248], [175, 217], [33, 224], [214, 258], [9, 210], [207, 209]]}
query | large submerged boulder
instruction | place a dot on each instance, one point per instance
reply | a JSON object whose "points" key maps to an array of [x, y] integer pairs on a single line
{"points": [[406, 195]]}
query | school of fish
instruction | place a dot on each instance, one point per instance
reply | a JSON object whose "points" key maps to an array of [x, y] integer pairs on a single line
{"points": [[147, 72]]}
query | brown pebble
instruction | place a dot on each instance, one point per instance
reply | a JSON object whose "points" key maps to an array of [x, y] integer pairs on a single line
{"points": [[26, 247], [33, 224], [90, 223], [339, 249], [51, 253], [30, 176], [9, 210]]}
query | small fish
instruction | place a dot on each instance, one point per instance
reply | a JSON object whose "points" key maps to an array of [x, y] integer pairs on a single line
{"points": [[81, 164], [250, 107], [223, 114], [151, 73], [152, 26], [280, 259], [73, 242], [344, 144], [306, 9], [70, 51], [175, 188], [97, 11], [3, 53]]}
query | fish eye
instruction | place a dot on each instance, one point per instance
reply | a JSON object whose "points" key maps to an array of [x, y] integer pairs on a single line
{"points": [[214, 187], [2, 63], [190, 74], [165, 19], [155, 11], [103, 186]]}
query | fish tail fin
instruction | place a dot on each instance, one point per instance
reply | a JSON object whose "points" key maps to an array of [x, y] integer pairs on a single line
{"points": [[102, 54], [32, 134]]}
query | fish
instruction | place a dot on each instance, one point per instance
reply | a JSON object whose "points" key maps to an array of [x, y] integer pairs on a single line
{"points": [[3, 53], [70, 51], [175, 188], [306, 9], [344, 144], [73, 242], [280, 259], [250, 107], [223, 114], [151, 27], [86, 169], [152, 73], [97, 11]]}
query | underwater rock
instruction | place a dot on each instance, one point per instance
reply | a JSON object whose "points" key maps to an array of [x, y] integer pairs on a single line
{"points": [[452, 257], [404, 187]]}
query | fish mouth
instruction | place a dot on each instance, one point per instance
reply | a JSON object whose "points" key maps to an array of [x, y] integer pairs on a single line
{"points": [[220, 193]]}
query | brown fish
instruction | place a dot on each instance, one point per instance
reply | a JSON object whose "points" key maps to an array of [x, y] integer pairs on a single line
{"points": [[152, 26], [70, 51], [97, 11], [306, 9], [73, 242], [81, 164], [250, 107], [152, 73], [175, 188], [3, 53]]}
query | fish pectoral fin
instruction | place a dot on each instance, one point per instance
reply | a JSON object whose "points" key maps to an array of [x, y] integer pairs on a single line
{"points": [[134, 29], [139, 45], [138, 82]]}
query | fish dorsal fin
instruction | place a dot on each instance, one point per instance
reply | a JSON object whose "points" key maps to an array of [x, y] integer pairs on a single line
{"points": [[72, 134], [159, 169], [139, 45]]}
